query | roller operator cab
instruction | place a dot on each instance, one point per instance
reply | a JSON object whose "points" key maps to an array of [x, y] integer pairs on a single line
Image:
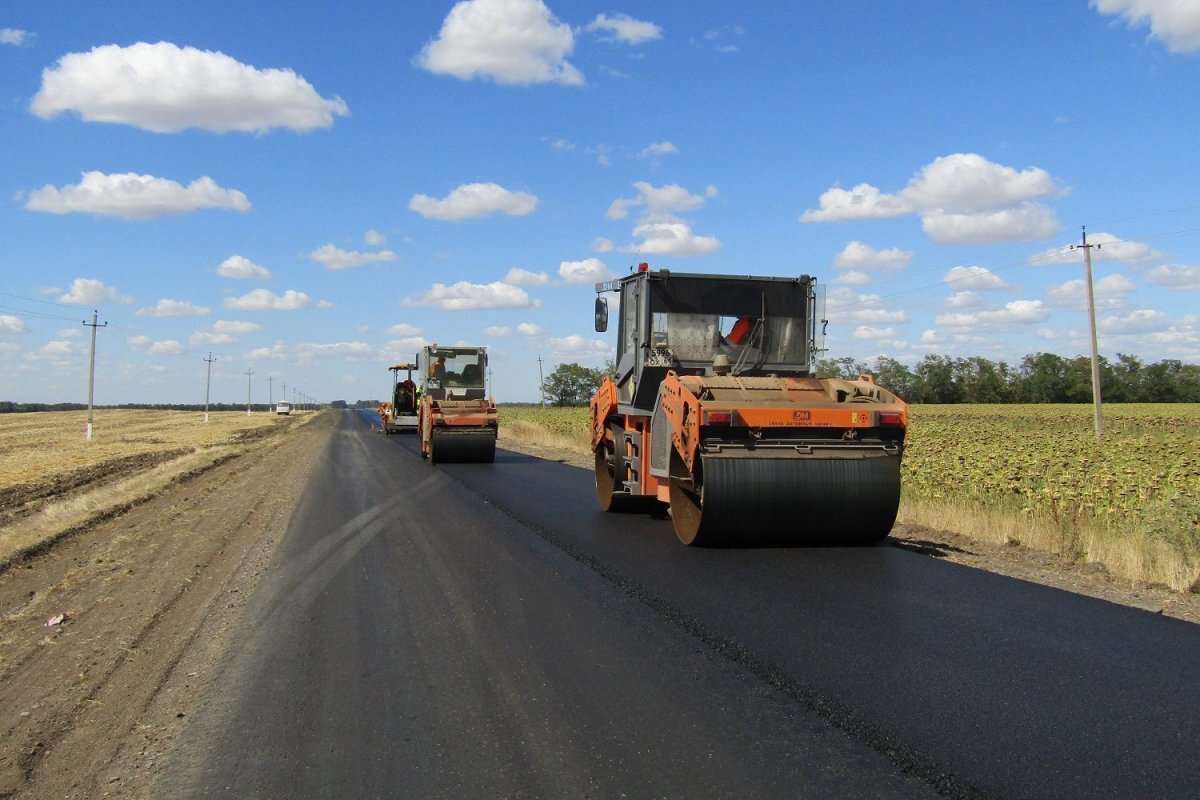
{"points": [[458, 419], [713, 410]]}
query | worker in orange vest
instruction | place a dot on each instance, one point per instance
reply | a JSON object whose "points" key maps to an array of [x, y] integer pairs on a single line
{"points": [[740, 332]]}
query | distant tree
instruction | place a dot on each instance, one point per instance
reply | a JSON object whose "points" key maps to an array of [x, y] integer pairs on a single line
{"points": [[572, 384], [895, 377], [1043, 379], [938, 380], [844, 367]]}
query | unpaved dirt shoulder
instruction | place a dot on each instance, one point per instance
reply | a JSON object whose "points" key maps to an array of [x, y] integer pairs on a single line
{"points": [[91, 705], [1014, 561]]}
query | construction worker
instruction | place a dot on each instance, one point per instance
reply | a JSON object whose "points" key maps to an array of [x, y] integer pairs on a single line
{"points": [[739, 334]]}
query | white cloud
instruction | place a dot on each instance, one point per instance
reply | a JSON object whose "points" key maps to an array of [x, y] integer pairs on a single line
{"points": [[211, 338], [166, 88], [13, 36], [242, 268], [497, 330], [862, 202], [1013, 315], [1108, 248], [91, 292], [324, 304], [602, 245], [977, 278], [144, 344], [531, 330], [1175, 276], [374, 238], [11, 324], [1175, 22], [624, 29], [231, 326], [844, 306], [403, 329], [589, 270], [859, 256], [576, 346], [510, 41], [659, 200], [464, 296], [1143, 320], [963, 198], [671, 238], [1110, 292], [473, 200], [334, 258], [868, 332], [1024, 223], [964, 299], [523, 277], [266, 300], [348, 351], [132, 196], [852, 278], [968, 182], [173, 308], [55, 351], [402, 350], [658, 149]]}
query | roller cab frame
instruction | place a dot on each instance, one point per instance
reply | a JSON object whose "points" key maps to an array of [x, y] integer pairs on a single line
{"points": [[713, 409], [458, 418], [402, 415]]}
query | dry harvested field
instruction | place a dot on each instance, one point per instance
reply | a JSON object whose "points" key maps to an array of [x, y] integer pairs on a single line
{"points": [[53, 480]]}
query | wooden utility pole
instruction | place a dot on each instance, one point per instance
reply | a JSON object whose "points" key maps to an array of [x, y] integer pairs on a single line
{"points": [[92, 370], [1091, 298]]}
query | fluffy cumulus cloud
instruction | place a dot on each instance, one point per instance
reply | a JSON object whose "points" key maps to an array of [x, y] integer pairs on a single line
{"points": [[531, 330], [589, 270], [575, 346], [497, 330], [1014, 315], [10, 324], [54, 352], [242, 268], [624, 29], [473, 200], [132, 196], [659, 228], [233, 326], [1142, 320], [523, 277], [964, 299], [858, 256], [962, 198], [1107, 248], [1110, 292], [517, 42], [166, 88], [91, 292], [1176, 276], [404, 329], [1176, 23], [173, 308], [465, 296], [374, 238], [266, 300], [973, 278], [335, 258], [844, 306], [144, 344]]}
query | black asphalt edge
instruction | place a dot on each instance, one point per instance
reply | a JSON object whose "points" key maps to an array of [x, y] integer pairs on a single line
{"points": [[907, 759]]}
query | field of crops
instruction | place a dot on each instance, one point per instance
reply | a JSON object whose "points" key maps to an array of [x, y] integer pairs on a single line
{"points": [[1132, 498]]}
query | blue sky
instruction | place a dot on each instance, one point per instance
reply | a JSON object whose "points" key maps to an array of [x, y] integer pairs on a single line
{"points": [[314, 191]]}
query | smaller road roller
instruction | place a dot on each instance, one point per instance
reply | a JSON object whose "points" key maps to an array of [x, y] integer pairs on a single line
{"points": [[400, 416], [457, 418], [713, 410]]}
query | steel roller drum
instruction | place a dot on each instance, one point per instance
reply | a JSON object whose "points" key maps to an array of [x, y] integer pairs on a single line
{"points": [[471, 445], [788, 501]]}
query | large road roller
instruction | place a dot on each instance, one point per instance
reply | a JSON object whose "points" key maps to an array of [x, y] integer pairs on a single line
{"points": [[713, 410], [457, 417]]}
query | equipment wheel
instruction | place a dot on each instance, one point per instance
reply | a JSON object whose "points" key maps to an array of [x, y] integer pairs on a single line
{"points": [[610, 480]]}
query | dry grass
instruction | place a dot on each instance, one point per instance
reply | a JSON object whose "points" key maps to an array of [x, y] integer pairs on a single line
{"points": [[43, 448]]}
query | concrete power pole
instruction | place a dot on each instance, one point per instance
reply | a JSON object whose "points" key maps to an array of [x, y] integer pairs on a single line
{"points": [[1096, 402], [207, 383], [92, 370], [270, 393], [249, 372], [541, 383]]}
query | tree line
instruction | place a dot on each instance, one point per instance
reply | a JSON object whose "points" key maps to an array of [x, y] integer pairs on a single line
{"points": [[1038, 378]]}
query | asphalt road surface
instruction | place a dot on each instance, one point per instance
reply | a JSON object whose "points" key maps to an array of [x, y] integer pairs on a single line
{"points": [[485, 631]]}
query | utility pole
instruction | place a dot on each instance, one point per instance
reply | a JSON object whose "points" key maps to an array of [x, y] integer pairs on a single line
{"points": [[270, 393], [207, 383], [249, 372], [541, 383], [1096, 403], [92, 370]]}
